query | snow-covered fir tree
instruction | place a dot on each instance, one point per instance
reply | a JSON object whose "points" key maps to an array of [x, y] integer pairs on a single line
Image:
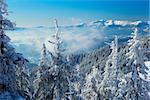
{"points": [[60, 68], [41, 83], [44, 61], [9, 59], [109, 85], [23, 78], [54, 82], [76, 79], [133, 86], [89, 92], [7, 68]]}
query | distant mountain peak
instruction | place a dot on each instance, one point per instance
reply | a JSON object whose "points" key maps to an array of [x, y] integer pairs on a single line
{"points": [[106, 23]]}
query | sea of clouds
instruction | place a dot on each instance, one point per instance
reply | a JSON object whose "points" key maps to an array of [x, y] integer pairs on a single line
{"points": [[77, 38]]}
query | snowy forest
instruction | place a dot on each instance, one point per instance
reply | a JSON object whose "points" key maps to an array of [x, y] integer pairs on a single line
{"points": [[116, 71]]}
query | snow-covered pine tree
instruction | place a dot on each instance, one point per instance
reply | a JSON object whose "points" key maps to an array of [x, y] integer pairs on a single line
{"points": [[36, 81], [89, 92], [76, 79], [59, 68], [7, 68], [134, 87], [23, 78], [8, 59], [109, 85], [41, 82], [54, 82], [44, 61]]}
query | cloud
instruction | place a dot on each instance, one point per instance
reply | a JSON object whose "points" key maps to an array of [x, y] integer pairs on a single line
{"points": [[29, 41]]}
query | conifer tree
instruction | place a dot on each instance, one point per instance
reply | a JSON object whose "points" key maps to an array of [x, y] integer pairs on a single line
{"points": [[42, 84], [89, 92], [7, 68], [44, 57], [54, 82], [76, 79], [134, 87], [61, 84], [9, 59], [109, 85], [23, 78]]}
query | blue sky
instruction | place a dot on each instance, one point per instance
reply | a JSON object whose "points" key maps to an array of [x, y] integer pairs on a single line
{"points": [[42, 12]]}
